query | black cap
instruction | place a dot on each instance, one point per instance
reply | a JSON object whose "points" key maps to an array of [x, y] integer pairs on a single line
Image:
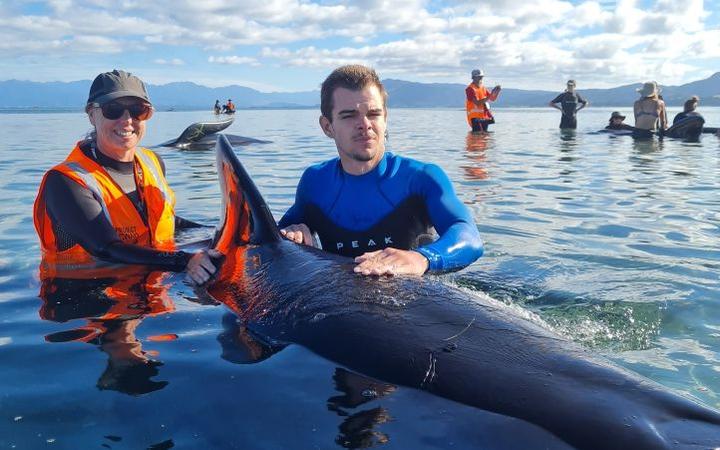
{"points": [[118, 83]]}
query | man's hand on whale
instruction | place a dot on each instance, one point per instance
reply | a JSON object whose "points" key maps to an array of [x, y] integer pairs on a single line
{"points": [[391, 261], [299, 234]]}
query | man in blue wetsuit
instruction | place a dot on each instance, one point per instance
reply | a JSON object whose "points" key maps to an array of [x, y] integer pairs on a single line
{"points": [[370, 204]]}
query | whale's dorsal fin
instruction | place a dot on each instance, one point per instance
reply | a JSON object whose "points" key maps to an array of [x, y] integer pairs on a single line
{"points": [[246, 218]]}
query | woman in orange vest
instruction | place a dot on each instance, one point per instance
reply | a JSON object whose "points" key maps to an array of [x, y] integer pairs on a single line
{"points": [[109, 201], [477, 99]]}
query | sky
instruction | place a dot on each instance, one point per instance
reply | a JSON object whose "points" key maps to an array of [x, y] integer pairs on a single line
{"points": [[292, 45]]}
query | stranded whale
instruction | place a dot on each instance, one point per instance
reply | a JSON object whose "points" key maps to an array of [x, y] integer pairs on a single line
{"points": [[202, 136], [422, 333]]}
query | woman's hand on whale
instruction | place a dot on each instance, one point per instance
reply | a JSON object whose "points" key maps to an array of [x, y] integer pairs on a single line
{"points": [[201, 266]]}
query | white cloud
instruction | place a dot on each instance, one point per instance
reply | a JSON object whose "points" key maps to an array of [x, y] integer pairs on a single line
{"points": [[98, 44], [170, 62], [237, 60], [534, 43], [588, 14]]}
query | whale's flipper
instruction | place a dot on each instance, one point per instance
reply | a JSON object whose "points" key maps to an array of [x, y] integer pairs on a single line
{"points": [[196, 132], [247, 218]]}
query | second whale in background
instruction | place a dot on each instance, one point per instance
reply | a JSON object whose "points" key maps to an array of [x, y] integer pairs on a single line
{"points": [[202, 136]]}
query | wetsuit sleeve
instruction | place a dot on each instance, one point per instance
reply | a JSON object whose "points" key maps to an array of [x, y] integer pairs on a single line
{"points": [[557, 99], [295, 214], [80, 216], [459, 244], [581, 99]]}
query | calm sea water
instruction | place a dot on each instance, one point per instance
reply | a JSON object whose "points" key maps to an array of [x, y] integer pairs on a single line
{"points": [[612, 242]]}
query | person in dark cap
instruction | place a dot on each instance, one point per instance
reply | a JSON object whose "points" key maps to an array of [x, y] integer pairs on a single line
{"points": [[569, 101], [616, 122], [109, 201]]}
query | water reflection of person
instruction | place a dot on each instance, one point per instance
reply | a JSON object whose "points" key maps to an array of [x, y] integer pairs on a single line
{"points": [[642, 157], [357, 430], [113, 307], [475, 146]]}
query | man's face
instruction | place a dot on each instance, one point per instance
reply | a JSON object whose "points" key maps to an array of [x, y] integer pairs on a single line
{"points": [[617, 120], [571, 87], [477, 79], [358, 124]]}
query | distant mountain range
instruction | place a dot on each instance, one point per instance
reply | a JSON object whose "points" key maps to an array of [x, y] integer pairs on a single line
{"points": [[402, 94]]}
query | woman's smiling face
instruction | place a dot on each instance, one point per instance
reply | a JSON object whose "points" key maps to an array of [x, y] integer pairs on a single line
{"points": [[118, 138]]}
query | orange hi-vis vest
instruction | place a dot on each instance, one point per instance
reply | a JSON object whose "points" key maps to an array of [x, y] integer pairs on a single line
{"points": [[478, 112], [154, 192]]}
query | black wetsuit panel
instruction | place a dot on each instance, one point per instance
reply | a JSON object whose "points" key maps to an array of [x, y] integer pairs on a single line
{"points": [[568, 102], [407, 227]]}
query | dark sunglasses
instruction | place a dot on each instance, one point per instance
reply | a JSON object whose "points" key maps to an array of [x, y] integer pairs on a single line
{"points": [[115, 110]]}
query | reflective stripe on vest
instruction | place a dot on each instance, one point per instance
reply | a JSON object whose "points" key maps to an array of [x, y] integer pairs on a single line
{"points": [[151, 163], [91, 184]]}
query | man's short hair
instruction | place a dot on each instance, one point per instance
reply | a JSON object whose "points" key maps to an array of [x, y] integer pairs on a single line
{"points": [[354, 77]]}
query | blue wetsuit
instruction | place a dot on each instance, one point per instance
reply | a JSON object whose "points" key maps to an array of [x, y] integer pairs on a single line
{"points": [[394, 205]]}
